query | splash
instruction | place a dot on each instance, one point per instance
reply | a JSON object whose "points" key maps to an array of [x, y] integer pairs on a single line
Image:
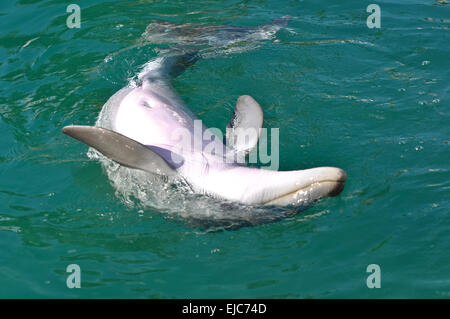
{"points": [[141, 190]]}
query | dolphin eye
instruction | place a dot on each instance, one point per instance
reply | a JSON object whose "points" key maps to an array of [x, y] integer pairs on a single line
{"points": [[146, 104]]}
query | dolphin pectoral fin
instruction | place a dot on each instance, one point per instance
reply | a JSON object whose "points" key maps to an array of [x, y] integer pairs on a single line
{"points": [[120, 149], [244, 129]]}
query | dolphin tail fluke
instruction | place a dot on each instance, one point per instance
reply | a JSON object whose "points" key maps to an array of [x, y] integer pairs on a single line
{"points": [[174, 65], [170, 66], [120, 149], [244, 129]]}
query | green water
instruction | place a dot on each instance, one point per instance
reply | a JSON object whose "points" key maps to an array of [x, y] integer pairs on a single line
{"points": [[374, 102]]}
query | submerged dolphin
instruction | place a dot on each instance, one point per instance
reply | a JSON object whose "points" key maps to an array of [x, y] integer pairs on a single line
{"points": [[136, 129], [210, 35]]}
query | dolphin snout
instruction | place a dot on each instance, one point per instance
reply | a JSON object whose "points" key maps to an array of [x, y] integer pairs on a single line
{"points": [[342, 175], [332, 174], [333, 181], [310, 185], [339, 183]]}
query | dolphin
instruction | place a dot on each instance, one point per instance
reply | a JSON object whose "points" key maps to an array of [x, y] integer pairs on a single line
{"points": [[137, 125], [210, 35]]}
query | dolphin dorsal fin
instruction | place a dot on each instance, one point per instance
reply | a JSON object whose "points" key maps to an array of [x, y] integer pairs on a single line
{"points": [[120, 149], [244, 128]]}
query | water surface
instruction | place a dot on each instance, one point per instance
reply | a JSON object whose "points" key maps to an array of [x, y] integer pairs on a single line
{"points": [[374, 102]]}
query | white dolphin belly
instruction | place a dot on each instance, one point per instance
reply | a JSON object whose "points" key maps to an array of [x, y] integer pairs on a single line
{"points": [[146, 118]]}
